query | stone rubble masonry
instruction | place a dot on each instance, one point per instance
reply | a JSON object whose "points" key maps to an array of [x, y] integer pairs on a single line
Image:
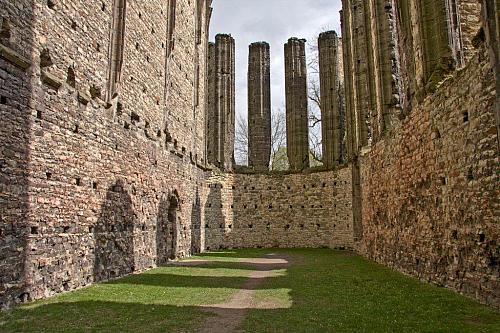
{"points": [[297, 122], [279, 210], [332, 117], [259, 106], [425, 189], [103, 134], [436, 183], [81, 178], [222, 103]]}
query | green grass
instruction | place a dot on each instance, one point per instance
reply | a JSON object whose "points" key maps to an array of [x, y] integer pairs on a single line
{"points": [[335, 291], [321, 291]]}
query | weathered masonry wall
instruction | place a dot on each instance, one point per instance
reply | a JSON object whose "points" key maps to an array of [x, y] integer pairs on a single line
{"points": [[16, 105], [92, 188], [259, 106], [421, 138], [271, 210], [297, 122], [430, 191]]}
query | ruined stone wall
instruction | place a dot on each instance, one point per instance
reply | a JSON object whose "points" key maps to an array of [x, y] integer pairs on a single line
{"points": [[297, 121], [430, 191], [107, 186], [259, 106], [16, 107], [278, 210]]}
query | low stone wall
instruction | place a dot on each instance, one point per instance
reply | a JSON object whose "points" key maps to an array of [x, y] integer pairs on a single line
{"points": [[273, 210], [430, 189]]}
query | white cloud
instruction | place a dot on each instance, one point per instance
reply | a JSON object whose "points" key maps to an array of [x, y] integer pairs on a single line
{"points": [[273, 21]]}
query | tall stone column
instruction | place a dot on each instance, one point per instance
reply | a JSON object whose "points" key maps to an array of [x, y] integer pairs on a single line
{"points": [[213, 123], [347, 56], [259, 106], [221, 110], [332, 118], [297, 128]]}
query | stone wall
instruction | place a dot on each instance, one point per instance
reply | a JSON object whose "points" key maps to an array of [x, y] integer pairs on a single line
{"points": [[279, 210], [16, 106], [93, 188], [430, 190]]}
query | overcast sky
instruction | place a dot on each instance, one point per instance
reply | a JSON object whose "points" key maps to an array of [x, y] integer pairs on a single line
{"points": [[273, 21]]}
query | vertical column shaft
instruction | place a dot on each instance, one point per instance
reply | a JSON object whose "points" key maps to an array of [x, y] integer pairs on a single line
{"points": [[212, 111], [331, 105], [221, 108], [345, 19], [259, 106], [297, 127]]}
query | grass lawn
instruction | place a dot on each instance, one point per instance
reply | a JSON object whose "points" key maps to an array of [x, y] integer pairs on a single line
{"points": [[321, 291]]}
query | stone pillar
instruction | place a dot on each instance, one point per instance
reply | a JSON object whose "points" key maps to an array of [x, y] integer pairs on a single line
{"points": [[297, 127], [438, 52], [332, 119], [213, 123], [345, 19], [470, 24], [357, 74], [259, 106], [221, 108], [387, 66], [491, 23]]}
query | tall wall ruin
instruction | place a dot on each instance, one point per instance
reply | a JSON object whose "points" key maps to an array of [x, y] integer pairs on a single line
{"points": [[116, 153], [101, 176], [424, 194], [259, 106], [297, 121]]}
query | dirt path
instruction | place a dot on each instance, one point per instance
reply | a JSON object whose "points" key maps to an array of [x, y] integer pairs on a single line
{"points": [[229, 316]]}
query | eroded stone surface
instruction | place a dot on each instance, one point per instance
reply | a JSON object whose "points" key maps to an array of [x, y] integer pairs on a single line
{"points": [[110, 111]]}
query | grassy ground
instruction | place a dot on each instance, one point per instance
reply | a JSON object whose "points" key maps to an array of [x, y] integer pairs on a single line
{"points": [[322, 291]]}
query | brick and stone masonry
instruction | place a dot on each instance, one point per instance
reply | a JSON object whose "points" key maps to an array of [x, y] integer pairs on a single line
{"points": [[110, 111], [297, 123], [259, 106], [332, 110], [93, 188], [425, 187]]}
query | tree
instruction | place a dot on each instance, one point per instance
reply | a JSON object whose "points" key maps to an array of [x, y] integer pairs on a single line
{"points": [[279, 161], [278, 140], [314, 94], [241, 141]]}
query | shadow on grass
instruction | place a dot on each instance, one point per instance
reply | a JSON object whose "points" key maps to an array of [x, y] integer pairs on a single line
{"points": [[330, 291], [96, 316], [231, 265], [181, 281]]}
